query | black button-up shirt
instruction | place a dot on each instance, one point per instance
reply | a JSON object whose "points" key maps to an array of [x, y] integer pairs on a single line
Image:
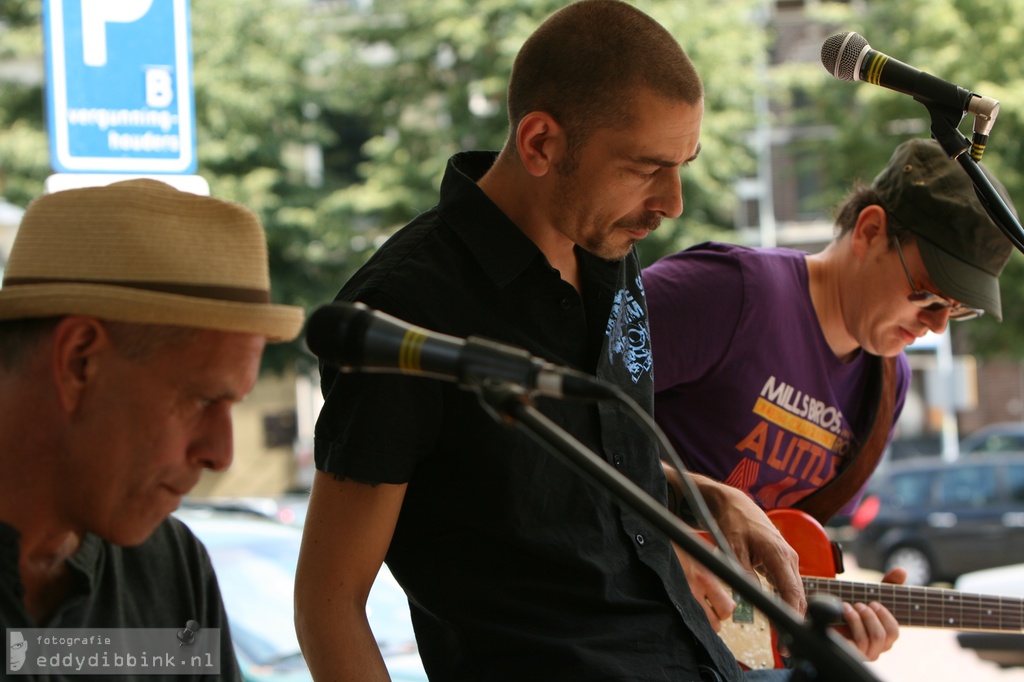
{"points": [[516, 567]]}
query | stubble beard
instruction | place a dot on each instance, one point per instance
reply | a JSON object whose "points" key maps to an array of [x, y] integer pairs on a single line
{"points": [[598, 241]]}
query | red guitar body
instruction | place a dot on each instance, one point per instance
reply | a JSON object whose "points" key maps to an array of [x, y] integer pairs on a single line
{"points": [[819, 556]]}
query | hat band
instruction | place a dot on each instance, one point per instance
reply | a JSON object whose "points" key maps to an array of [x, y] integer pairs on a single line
{"points": [[237, 294]]}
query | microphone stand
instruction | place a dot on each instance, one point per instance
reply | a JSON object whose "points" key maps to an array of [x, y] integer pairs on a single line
{"points": [[945, 122], [813, 643]]}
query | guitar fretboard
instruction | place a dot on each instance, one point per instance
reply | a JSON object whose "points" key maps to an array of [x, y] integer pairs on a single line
{"points": [[930, 606]]}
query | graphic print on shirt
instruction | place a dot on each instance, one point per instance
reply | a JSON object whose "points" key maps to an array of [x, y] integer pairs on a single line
{"points": [[794, 447], [628, 332]]}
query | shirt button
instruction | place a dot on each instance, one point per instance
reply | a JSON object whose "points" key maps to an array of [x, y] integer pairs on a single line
{"points": [[617, 460], [565, 303], [639, 539]]}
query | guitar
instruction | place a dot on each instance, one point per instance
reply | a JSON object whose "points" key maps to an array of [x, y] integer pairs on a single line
{"points": [[749, 635]]}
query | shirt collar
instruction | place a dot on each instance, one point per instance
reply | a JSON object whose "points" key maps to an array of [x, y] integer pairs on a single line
{"points": [[86, 559], [500, 247], [84, 563], [496, 242]]}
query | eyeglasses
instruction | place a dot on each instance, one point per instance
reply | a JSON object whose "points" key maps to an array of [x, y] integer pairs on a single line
{"points": [[926, 300]]}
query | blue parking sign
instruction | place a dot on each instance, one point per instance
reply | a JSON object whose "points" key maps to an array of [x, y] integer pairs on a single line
{"points": [[119, 86]]}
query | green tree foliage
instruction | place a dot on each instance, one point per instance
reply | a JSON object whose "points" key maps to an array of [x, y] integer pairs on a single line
{"points": [[24, 161], [388, 90], [253, 123], [430, 76]]}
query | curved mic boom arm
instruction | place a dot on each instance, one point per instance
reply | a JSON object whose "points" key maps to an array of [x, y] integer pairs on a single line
{"points": [[944, 128]]}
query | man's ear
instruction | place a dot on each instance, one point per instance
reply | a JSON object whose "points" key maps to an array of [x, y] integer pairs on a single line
{"points": [[77, 343], [541, 142], [870, 231]]}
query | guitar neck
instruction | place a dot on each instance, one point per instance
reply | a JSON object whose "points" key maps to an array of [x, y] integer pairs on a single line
{"points": [[930, 606]]}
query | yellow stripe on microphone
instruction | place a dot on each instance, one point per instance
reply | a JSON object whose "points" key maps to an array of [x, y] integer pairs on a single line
{"points": [[874, 73], [411, 350]]}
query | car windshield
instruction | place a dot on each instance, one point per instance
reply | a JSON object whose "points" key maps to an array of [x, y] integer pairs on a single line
{"points": [[250, 563], [255, 560], [910, 490], [967, 487], [1002, 442]]}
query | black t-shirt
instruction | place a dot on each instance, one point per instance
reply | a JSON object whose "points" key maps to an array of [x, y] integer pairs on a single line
{"points": [[516, 567]]}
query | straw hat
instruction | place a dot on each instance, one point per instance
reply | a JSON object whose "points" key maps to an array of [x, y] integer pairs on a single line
{"points": [[141, 251]]}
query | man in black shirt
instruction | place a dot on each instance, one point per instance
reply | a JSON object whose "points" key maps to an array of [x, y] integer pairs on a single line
{"points": [[516, 568]]}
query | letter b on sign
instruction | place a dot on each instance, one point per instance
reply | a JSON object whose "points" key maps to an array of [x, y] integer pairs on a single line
{"points": [[159, 88]]}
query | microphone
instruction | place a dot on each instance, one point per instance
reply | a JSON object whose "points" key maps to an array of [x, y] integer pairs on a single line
{"points": [[354, 337], [848, 57]]}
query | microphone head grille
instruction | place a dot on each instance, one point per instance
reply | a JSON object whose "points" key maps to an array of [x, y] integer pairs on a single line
{"points": [[336, 333], [839, 54]]}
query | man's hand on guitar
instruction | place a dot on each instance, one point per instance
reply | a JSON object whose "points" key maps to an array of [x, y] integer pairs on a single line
{"points": [[709, 590], [755, 540], [871, 627]]}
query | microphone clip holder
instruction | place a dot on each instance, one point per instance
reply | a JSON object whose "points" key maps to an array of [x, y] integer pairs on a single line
{"points": [[945, 129], [985, 110]]}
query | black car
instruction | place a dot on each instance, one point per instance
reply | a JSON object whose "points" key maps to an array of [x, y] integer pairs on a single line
{"points": [[1006, 649], [998, 437], [941, 519], [255, 559]]}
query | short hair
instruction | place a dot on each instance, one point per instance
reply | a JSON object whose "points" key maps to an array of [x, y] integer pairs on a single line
{"points": [[136, 342], [18, 337], [583, 64], [140, 342], [860, 197]]}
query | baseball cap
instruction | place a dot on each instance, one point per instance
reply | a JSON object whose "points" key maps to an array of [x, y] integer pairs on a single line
{"points": [[962, 248]]}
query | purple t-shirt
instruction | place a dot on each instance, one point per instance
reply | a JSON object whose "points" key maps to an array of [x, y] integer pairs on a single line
{"points": [[747, 388]]}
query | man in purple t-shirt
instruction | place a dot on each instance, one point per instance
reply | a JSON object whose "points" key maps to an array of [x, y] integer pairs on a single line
{"points": [[762, 356]]}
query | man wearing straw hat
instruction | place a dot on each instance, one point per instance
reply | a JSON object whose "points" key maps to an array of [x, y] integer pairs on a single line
{"points": [[132, 318]]}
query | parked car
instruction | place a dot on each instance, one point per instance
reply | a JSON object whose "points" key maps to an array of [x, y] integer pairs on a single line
{"points": [[255, 559], [1006, 649], [291, 507], [941, 519], [997, 437]]}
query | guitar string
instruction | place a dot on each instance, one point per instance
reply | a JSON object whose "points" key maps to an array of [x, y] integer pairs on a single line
{"points": [[930, 606]]}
